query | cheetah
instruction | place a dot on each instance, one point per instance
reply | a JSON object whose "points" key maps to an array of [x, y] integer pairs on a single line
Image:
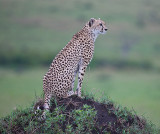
{"points": [[72, 59]]}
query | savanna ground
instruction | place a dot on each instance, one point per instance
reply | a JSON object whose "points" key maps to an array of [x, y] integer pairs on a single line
{"points": [[124, 87], [125, 66]]}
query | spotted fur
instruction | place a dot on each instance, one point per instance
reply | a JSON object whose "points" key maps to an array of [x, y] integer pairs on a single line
{"points": [[72, 59]]}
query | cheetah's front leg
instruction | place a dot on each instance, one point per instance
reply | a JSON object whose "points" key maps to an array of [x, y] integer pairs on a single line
{"points": [[80, 79], [74, 77]]}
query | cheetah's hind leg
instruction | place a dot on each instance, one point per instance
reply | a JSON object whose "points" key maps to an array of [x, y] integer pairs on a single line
{"points": [[39, 112], [45, 105]]}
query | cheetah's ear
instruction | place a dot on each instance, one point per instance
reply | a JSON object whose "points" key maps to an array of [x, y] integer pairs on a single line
{"points": [[92, 20]]}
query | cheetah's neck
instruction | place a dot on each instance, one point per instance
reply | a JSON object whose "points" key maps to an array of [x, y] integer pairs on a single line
{"points": [[93, 35], [86, 33]]}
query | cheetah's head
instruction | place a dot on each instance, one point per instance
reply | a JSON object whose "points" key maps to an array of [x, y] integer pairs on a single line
{"points": [[97, 26]]}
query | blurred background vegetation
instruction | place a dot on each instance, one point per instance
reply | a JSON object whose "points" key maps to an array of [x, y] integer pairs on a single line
{"points": [[126, 63]]}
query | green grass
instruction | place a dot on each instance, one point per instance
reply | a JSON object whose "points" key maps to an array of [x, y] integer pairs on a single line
{"points": [[135, 89], [13, 88]]}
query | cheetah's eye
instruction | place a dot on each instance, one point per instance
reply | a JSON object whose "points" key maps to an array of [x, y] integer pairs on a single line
{"points": [[100, 24]]}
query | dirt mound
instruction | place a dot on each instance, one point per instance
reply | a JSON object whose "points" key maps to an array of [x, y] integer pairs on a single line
{"points": [[75, 115], [108, 118], [75, 102]]}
